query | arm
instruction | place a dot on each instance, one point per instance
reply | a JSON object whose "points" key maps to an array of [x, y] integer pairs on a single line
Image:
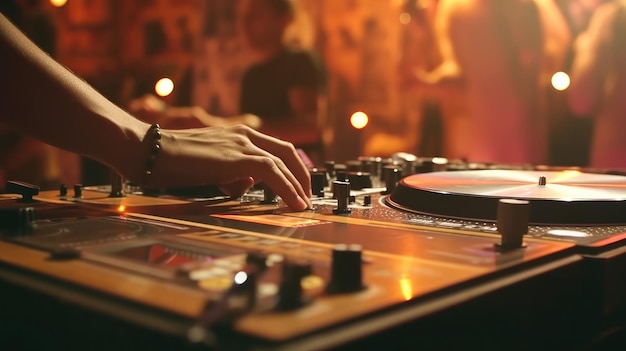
{"points": [[590, 63], [45, 100]]}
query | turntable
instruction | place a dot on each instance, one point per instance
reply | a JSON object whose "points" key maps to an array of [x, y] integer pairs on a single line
{"points": [[566, 198]]}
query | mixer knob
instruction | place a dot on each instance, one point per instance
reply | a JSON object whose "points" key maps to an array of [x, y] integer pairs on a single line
{"points": [[330, 168], [269, 197], [290, 294], [359, 180], [62, 190], [26, 190], [117, 185], [367, 200], [512, 222], [346, 273], [78, 190], [391, 176], [18, 220], [353, 166], [342, 193], [318, 182]]}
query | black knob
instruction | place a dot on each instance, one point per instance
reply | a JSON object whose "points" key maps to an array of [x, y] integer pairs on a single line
{"points": [[62, 190], [370, 164], [367, 200], [512, 222], [26, 190], [341, 172], [359, 180], [341, 193], [330, 168], [117, 185], [269, 197], [17, 220], [78, 190], [318, 182], [346, 272], [434, 164], [290, 289], [392, 176]]}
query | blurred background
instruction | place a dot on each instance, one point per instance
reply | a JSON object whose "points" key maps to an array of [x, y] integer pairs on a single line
{"points": [[366, 48]]}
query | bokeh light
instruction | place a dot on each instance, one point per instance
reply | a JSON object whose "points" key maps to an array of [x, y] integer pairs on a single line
{"points": [[58, 3], [560, 81], [164, 87], [359, 120], [405, 18]]}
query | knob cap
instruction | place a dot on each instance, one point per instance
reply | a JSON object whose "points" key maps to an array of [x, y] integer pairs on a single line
{"points": [[512, 222], [318, 182], [290, 290], [346, 273], [62, 190], [341, 193], [78, 190], [359, 180], [391, 176], [269, 197], [26, 190], [330, 168]]}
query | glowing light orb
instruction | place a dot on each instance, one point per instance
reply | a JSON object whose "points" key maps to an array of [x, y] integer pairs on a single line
{"points": [[359, 120], [241, 277], [164, 87], [405, 18], [58, 3], [121, 208], [560, 81]]}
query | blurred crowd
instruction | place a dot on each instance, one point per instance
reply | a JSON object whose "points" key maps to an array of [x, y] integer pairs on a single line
{"points": [[483, 71]]}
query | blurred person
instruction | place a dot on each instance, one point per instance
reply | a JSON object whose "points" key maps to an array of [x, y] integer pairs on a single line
{"points": [[42, 98], [495, 52], [151, 109], [598, 86], [285, 86]]}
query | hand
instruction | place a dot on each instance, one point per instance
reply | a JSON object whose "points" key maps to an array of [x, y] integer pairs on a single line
{"points": [[233, 157]]}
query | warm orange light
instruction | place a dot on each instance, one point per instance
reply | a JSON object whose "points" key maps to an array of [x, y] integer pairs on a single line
{"points": [[359, 120], [58, 3], [121, 208], [560, 81], [164, 87], [405, 18], [406, 288]]}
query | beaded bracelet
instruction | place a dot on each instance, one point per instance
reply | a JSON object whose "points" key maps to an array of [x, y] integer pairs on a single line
{"points": [[153, 137]]}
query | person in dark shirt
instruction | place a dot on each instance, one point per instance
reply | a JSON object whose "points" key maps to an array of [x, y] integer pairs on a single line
{"points": [[285, 86]]}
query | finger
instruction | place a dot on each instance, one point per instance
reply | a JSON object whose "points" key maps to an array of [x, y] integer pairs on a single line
{"points": [[265, 169], [286, 172], [238, 187], [287, 153]]}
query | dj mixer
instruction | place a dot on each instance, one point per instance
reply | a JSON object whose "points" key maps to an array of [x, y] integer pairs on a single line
{"points": [[394, 253]]}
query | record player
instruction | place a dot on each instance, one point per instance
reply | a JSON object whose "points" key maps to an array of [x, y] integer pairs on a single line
{"points": [[421, 262]]}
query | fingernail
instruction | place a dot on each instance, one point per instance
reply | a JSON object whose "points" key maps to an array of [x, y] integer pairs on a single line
{"points": [[303, 205]]}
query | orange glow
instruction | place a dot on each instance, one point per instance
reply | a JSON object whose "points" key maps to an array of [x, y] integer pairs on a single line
{"points": [[58, 3], [164, 87], [121, 208], [405, 18], [359, 120], [406, 288], [560, 81]]}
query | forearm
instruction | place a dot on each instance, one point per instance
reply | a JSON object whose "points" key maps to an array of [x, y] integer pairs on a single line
{"points": [[35, 90]]}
